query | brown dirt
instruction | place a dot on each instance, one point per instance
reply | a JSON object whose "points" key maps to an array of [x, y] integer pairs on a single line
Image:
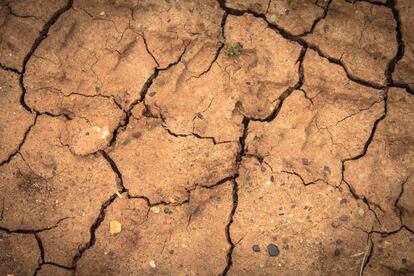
{"points": [[206, 137]]}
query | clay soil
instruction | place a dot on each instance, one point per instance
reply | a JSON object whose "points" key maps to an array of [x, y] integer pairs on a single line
{"points": [[173, 137]]}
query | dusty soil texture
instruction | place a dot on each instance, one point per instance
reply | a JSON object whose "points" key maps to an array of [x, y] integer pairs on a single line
{"points": [[230, 137]]}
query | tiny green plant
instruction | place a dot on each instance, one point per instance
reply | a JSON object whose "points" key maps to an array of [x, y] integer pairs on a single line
{"points": [[234, 50], [221, 39]]}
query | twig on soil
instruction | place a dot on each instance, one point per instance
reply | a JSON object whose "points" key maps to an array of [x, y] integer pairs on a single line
{"points": [[364, 260]]}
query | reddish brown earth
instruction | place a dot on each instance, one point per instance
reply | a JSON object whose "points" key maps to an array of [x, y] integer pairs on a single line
{"points": [[257, 137]]}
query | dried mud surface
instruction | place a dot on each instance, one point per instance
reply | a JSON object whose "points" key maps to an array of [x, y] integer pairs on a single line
{"points": [[258, 137]]}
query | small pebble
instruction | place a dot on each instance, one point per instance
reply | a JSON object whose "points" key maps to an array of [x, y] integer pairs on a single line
{"points": [[152, 264], [136, 135], [256, 248], [115, 227], [326, 28], [305, 161], [343, 201], [171, 251], [361, 212], [326, 170], [404, 261], [337, 252], [273, 250], [200, 116], [339, 241], [155, 209], [344, 217], [105, 132], [152, 94], [168, 211], [335, 224]]}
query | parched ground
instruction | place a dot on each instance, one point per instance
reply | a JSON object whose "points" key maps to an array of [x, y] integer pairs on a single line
{"points": [[239, 137]]}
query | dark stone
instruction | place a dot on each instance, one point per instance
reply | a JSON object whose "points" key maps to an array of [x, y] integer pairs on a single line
{"points": [[343, 201], [168, 211], [344, 217], [152, 94], [171, 251], [326, 170], [273, 250], [335, 224], [339, 241], [326, 28], [337, 252], [256, 248], [404, 261], [305, 161], [136, 135], [200, 116]]}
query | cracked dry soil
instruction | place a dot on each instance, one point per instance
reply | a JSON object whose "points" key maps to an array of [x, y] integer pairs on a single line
{"points": [[257, 137]]}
